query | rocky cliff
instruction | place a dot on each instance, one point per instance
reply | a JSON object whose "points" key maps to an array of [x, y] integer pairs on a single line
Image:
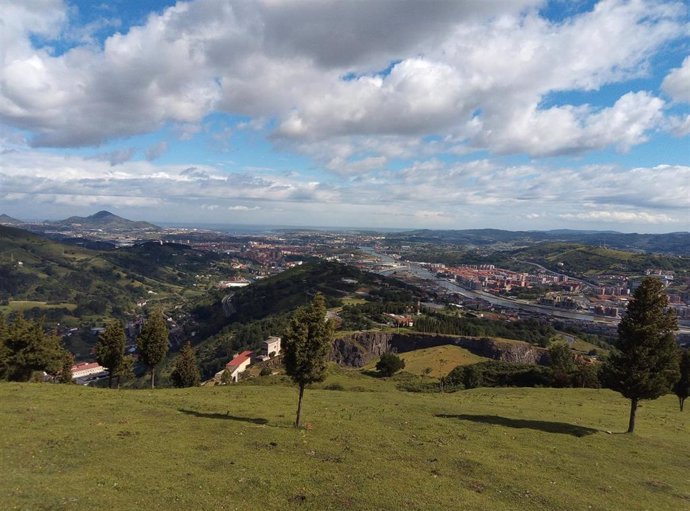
{"points": [[358, 349]]}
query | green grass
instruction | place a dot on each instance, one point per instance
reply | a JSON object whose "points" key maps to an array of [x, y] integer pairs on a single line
{"points": [[20, 305], [440, 359], [227, 448]]}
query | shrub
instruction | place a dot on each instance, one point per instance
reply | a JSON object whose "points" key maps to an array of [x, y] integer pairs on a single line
{"points": [[389, 364]]}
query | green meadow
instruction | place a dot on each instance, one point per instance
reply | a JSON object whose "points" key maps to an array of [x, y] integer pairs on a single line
{"points": [[366, 447]]}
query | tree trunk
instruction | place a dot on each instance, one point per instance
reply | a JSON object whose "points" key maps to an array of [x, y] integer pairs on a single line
{"points": [[299, 405], [110, 379], [153, 376], [681, 401], [633, 411]]}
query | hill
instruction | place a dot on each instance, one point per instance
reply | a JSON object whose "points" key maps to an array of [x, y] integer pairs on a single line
{"points": [[76, 448], [676, 243], [228, 322], [8, 220], [71, 284], [104, 220], [581, 259]]}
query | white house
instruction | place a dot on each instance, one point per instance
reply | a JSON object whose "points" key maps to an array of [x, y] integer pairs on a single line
{"points": [[237, 365], [272, 345]]}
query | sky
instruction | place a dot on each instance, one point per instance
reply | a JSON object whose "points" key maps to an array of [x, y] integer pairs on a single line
{"points": [[445, 114]]}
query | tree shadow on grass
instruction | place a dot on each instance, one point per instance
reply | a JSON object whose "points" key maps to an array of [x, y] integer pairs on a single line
{"points": [[548, 427], [224, 416]]}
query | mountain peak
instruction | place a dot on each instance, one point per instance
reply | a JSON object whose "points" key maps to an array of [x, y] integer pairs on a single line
{"points": [[102, 214]]}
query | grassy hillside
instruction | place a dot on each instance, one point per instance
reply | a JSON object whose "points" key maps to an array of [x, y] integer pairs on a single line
{"points": [[68, 283], [587, 259], [74, 448], [440, 360]]}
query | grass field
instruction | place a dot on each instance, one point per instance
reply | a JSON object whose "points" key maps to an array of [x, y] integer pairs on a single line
{"points": [[227, 448], [20, 305], [440, 359]]}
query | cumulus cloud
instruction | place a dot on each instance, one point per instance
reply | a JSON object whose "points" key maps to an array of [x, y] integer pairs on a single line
{"points": [[677, 82], [478, 71]]}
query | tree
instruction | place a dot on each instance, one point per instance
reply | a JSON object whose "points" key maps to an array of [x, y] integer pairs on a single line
{"points": [[562, 363], [186, 372], [152, 342], [645, 364], [389, 364], [682, 386], [307, 342], [110, 349], [125, 370], [29, 349]]}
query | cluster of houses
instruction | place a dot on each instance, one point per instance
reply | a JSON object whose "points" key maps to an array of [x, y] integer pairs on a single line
{"points": [[241, 362], [84, 373]]}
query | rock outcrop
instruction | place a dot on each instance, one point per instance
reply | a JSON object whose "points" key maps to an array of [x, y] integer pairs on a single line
{"points": [[356, 350]]}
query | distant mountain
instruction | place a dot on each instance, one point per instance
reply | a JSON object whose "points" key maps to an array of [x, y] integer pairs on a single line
{"points": [[8, 220], [104, 220], [677, 243]]}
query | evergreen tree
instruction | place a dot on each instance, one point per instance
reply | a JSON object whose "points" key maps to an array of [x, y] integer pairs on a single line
{"points": [[389, 364], [682, 386], [110, 349], [562, 363], [186, 371], [65, 375], [30, 349], [125, 370], [152, 342], [307, 342], [4, 350], [645, 364]]}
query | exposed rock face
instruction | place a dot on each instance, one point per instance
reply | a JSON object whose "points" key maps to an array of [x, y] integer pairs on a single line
{"points": [[358, 349]]}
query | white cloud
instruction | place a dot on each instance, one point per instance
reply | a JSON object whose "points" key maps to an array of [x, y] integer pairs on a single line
{"points": [[242, 208], [677, 82], [621, 216], [477, 71]]}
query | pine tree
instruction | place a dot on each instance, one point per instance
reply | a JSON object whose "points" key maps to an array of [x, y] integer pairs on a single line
{"points": [[4, 349], [110, 349], [30, 349], [307, 342], [682, 386], [125, 370], [186, 371], [152, 342], [645, 364]]}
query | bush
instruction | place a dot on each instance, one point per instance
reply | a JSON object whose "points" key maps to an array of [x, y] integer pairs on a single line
{"points": [[265, 371], [389, 364]]}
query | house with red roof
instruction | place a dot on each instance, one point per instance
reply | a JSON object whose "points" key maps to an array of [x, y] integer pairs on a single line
{"points": [[237, 365]]}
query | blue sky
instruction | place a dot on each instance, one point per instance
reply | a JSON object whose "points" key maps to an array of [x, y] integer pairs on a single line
{"points": [[513, 114]]}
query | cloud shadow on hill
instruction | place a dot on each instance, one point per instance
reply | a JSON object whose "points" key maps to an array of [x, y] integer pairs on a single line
{"points": [[224, 416], [562, 428]]}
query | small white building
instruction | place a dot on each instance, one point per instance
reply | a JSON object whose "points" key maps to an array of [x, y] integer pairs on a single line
{"points": [[237, 365], [271, 347]]}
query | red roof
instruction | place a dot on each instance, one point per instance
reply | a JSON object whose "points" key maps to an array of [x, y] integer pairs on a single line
{"points": [[85, 365], [239, 359]]}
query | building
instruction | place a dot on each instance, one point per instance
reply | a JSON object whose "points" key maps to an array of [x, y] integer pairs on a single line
{"points": [[271, 347], [84, 370], [237, 365]]}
